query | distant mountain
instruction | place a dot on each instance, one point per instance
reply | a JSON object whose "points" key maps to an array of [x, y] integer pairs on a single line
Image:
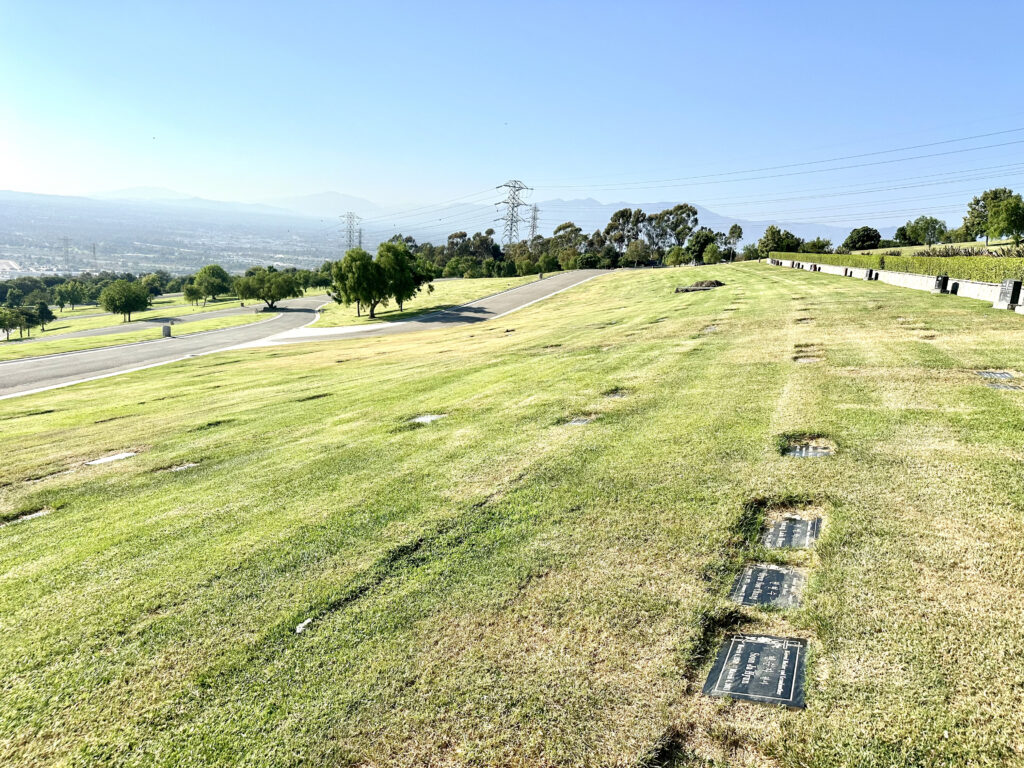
{"points": [[142, 193], [326, 205]]}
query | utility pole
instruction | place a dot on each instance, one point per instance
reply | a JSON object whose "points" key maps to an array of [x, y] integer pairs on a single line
{"points": [[350, 220], [533, 221], [512, 205]]}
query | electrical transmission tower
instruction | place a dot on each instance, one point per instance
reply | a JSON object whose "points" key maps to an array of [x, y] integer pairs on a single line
{"points": [[512, 205], [533, 221], [351, 220], [66, 241]]}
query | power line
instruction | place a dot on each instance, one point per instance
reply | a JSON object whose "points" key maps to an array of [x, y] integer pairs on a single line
{"points": [[512, 205]]}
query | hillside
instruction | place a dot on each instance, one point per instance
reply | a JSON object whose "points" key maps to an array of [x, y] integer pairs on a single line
{"points": [[291, 571]]}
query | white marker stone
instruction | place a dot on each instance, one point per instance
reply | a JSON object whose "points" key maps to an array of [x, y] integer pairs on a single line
{"points": [[115, 457], [427, 418], [302, 627]]}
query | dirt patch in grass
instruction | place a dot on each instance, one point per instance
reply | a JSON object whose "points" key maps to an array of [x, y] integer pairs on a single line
{"points": [[23, 515], [805, 445]]}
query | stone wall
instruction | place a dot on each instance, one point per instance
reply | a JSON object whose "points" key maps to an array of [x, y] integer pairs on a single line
{"points": [[971, 289]]}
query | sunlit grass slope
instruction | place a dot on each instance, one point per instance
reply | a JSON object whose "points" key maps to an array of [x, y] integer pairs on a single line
{"points": [[500, 587], [50, 346], [446, 293]]}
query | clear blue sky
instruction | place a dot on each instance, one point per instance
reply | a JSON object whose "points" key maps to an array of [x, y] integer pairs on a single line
{"points": [[412, 103]]}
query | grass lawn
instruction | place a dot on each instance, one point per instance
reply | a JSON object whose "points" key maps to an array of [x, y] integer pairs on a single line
{"points": [[13, 349], [67, 322], [910, 250], [500, 587], [446, 293]]}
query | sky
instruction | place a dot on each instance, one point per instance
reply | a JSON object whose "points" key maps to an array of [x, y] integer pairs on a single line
{"points": [[410, 104]]}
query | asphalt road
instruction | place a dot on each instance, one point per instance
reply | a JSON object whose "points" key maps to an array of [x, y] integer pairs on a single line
{"points": [[34, 374], [175, 320]]}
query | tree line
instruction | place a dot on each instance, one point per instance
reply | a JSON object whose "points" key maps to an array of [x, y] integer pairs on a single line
{"points": [[995, 213]]}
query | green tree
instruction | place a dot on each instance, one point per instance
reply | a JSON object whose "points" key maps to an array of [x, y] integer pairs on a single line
{"points": [[817, 245], [1006, 219], [122, 298], [212, 280], [777, 240], [749, 252], [404, 274], [268, 286], [10, 319], [625, 226], [72, 293], [712, 254], [14, 298], [735, 235], [152, 283], [862, 239], [358, 278], [637, 252], [192, 293], [700, 241], [45, 314], [924, 230], [676, 255], [978, 210]]}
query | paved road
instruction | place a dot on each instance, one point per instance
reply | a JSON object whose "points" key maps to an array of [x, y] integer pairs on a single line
{"points": [[31, 374], [21, 377]]}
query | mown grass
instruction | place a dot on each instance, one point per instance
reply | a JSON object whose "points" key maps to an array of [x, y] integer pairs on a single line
{"points": [[69, 322], [502, 588], [446, 293], [43, 346]]}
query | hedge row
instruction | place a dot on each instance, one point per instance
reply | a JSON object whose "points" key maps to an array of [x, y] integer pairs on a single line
{"points": [[858, 260], [986, 269]]}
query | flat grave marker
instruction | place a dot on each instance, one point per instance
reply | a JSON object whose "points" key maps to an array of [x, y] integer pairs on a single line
{"points": [[1003, 375], [427, 418], [580, 420], [768, 585], [792, 533], [115, 457], [759, 668], [997, 385], [807, 451]]}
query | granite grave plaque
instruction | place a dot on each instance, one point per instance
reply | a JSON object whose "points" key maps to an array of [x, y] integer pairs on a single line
{"points": [[995, 374], [768, 585], [792, 533], [760, 668], [808, 451]]}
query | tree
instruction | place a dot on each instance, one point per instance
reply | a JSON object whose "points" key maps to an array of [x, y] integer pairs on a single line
{"points": [[72, 292], [1006, 219], [624, 227], [405, 278], [712, 254], [192, 293], [749, 252], [862, 239], [9, 320], [924, 230], [14, 298], [637, 252], [268, 285], [45, 314], [978, 210], [212, 280], [735, 235], [29, 319], [700, 241], [152, 283], [817, 245], [358, 278], [676, 255], [780, 240], [122, 298]]}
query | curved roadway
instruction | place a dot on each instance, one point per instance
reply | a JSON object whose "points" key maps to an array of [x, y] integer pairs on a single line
{"points": [[35, 374]]}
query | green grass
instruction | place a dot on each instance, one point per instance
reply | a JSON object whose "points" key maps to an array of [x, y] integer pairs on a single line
{"points": [[502, 588], [14, 349], [910, 250], [446, 293], [67, 322]]}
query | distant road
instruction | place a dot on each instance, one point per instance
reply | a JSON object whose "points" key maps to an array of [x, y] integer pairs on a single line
{"points": [[34, 374]]}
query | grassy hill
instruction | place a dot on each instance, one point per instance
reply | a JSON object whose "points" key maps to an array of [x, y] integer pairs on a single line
{"points": [[502, 587]]}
